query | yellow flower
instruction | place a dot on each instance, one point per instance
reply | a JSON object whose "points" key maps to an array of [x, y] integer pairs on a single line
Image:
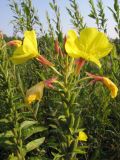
{"points": [[111, 86], [107, 82], [26, 51], [35, 93], [92, 45], [82, 136]]}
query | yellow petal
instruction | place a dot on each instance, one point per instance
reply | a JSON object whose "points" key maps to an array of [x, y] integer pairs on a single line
{"points": [[35, 93], [95, 42], [91, 45], [26, 51], [30, 43], [71, 44], [111, 86], [19, 56], [82, 136], [72, 49], [95, 60], [72, 35], [31, 98], [87, 37]]}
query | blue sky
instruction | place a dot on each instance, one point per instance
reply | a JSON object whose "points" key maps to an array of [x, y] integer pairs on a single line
{"points": [[43, 5]]}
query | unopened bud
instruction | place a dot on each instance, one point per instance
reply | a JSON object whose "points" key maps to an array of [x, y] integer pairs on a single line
{"points": [[56, 46], [79, 64], [48, 83], [44, 61], [1, 35], [16, 43]]}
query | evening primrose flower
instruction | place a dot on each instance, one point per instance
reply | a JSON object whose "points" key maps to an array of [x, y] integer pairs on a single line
{"points": [[92, 45], [35, 93], [27, 50], [82, 136], [107, 82]]}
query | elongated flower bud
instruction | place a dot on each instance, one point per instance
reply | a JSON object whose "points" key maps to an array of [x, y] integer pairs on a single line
{"points": [[44, 61], [107, 82], [56, 46], [1, 35], [48, 83], [79, 64], [16, 43], [111, 86]]}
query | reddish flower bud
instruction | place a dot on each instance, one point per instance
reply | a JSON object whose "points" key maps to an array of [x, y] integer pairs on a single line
{"points": [[79, 64], [44, 61], [48, 83], [16, 43], [107, 82], [1, 35], [96, 78], [56, 46]]}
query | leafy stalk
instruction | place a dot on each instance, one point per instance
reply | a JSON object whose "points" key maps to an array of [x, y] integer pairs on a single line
{"points": [[76, 17], [116, 15], [25, 15], [57, 21], [98, 16], [50, 27]]}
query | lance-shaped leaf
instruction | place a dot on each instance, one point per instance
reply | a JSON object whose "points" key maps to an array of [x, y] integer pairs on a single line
{"points": [[27, 124], [32, 130], [34, 144]]}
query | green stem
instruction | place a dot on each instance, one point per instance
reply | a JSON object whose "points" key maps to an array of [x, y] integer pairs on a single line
{"points": [[55, 70]]}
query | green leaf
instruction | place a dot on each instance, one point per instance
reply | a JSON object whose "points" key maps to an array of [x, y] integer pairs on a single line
{"points": [[51, 5], [20, 84], [27, 124], [71, 130], [7, 134], [12, 157], [34, 144], [114, 14], [4, 120], [62, 118], [53, 126], [114, 52], [57, 156], [92, 16], [71, 120], [116, 5], [79, 151], [32, 130]]}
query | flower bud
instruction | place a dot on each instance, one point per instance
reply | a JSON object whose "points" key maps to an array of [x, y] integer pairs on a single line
{"points": [[56, 46], [44, 61], [16, 43]]}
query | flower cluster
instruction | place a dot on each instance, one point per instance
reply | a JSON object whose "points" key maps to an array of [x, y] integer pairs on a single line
{"points": [[91, 45]]}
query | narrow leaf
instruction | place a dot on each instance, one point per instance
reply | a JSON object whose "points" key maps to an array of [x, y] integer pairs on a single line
{"points": [[34, 144], [27, 124]]}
